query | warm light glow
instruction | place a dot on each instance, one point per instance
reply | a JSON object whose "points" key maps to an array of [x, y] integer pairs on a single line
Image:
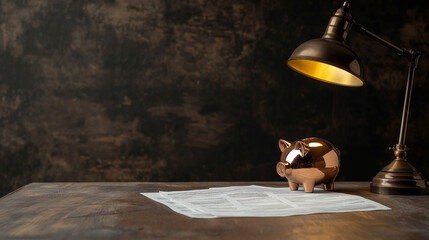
{"points": [[315, 144], [324, 72]]}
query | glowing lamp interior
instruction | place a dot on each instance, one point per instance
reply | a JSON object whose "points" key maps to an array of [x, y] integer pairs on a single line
{"points": [[324, 72]]}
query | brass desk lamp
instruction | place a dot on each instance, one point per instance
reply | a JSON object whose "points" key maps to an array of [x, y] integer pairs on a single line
{"points": [[329, 59]]}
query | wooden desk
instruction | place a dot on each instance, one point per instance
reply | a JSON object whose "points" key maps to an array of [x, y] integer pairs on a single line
{"points": [[117, 211]]}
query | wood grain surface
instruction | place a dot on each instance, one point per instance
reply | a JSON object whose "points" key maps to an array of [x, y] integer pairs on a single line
{"points": [[107, 210]]}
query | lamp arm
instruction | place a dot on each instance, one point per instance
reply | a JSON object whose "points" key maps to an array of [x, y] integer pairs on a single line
{"points": [[413, 57]]}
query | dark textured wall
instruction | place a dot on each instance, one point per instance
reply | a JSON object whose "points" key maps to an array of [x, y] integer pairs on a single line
{"points": [[195, 90]]}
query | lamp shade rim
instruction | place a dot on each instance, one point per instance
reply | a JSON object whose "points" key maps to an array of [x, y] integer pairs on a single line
{"points": [[326, 62]]}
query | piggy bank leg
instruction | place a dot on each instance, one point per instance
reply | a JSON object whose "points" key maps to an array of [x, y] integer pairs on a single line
{"points": [[293, 186], [308, 187], [329, 186]]}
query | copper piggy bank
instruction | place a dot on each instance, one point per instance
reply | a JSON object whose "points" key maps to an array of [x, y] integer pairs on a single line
{"points": [[310, 161]]}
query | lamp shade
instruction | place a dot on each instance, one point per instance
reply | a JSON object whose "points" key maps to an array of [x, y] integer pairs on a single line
{"points": [[329, 61]]}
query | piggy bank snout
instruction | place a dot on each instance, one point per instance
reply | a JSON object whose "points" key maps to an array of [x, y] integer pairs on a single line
{"points": [[282, 168]]}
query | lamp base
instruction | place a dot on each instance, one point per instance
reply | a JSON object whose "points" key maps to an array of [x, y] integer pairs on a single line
{"points": [[399, 178]]}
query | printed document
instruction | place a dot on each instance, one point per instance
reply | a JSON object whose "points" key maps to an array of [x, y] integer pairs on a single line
{"points": [[259, 201]]}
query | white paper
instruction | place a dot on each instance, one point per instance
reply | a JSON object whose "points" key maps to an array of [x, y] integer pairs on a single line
{"points": [[259, 201]]}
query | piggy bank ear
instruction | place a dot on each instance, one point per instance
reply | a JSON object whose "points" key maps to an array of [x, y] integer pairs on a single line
{"points": [[302, 147], [283, 144]]}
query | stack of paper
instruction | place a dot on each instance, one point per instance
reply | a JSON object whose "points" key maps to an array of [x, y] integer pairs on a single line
{"points": [[259, 201]]}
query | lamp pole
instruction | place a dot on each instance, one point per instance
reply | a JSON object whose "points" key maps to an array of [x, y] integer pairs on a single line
{"points": [[413, 57], [414, 60]]}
